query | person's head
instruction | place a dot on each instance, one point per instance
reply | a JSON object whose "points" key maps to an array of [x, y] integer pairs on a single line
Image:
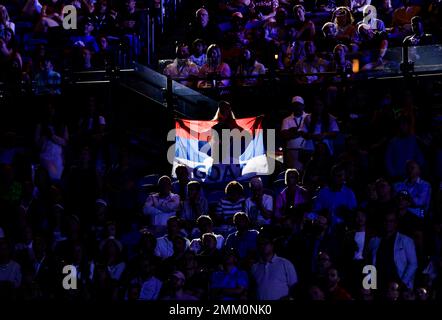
{"points": [[103, 43], [360, 218], [281, 15], [339, 53], [315, 293], [146, 268], [365, 32], [112, 249], [299, 13], [179, 245], [392, 291], [403, 200], [234, 191], [412, 169], [198, 47], [265, 246], [310, 49], [230, 258], [214, 55], [338, 175], [88, 27], [320, 224], [297, 105], [178, 280], [9, 37], [182, 173], [130, 5], [237, 21], [329, 30], [111, 229], [332, 277], [383, 189], [256, 186], [202, 17], [241, 221], [390, 223], [247, 55], [148, 242], [342, 16], [224, 112], [193, 189], [422, 294], [208, 241], [417, 25], [291, 177], [205, 224], [164, 185], [324, 262], [46, 65], [173, 226], [102, 6], [182, 51]]}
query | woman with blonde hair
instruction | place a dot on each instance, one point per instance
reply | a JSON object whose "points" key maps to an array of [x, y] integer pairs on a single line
{"points": [[214, 67], [343, 19]]}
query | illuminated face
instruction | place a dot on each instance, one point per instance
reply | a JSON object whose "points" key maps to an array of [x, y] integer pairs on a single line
{"points": [[300, 14]]}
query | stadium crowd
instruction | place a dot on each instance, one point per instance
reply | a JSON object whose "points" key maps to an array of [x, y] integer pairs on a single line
{"points": [[343, 199]]}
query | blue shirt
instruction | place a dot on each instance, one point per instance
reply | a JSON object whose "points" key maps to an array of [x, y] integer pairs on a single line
{"points": [[229, 280], [242, 243], [334, 200], [420, 191]]}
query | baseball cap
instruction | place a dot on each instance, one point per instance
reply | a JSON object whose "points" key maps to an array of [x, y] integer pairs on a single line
{"points": [[297, 99]]}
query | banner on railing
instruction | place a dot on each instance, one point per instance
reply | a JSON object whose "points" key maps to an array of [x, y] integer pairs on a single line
{"points": [[218, 152]]}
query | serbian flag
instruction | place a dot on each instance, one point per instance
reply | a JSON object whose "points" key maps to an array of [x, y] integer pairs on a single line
{"points": [[216, 152]]}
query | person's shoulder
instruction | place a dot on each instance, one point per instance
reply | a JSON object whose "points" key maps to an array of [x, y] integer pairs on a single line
{"points": [[402, 237], [253, 232]]}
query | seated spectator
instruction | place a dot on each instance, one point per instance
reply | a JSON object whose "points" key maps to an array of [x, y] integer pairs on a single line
{"points": [[182, 67], [408, 221], [164, 248], [292, 196], [209, 258], [198, 55], [319, 126], [303, 30], [175, 288], [382, 202], [340, 64], [233, 202], [176, 260], [264, 9], [47, 80], [372, 46], [101, 18], [85, 39], [162, 205], [230, 283], [249, 67], [401, 148], [259, 206], [129, 19], [334, 290], [195, 204], [244, 239], [394, 255], [213, 69], [111, 251], [272, 272], [337, 198], [278, 35], [401, 20], [328, 39], [150, 286], [104, 57], [311, 64], [418, 37], [346, 31], [11, 63], [202, 28], [205, 225], [369, 18], [420, 190]]}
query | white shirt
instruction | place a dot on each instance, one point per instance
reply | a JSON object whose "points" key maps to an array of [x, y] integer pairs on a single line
{"points": [[196, 244], [164, 248], [161, 209], [360, 242], [255, 214], [294, 122], [274, 279]]}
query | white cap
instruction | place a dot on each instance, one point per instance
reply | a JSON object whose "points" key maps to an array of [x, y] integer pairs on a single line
{"points": [[297, 99], [2, 234]]}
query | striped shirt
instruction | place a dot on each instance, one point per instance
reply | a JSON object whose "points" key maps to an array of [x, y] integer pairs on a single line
{"points": [[226, 209]]}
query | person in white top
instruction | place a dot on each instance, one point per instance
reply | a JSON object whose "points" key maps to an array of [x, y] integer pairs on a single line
{"points": [[319, 126], [162, 205], [205, 225], [164, 247], [182, 66], [259, 206], [290, 131]]}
